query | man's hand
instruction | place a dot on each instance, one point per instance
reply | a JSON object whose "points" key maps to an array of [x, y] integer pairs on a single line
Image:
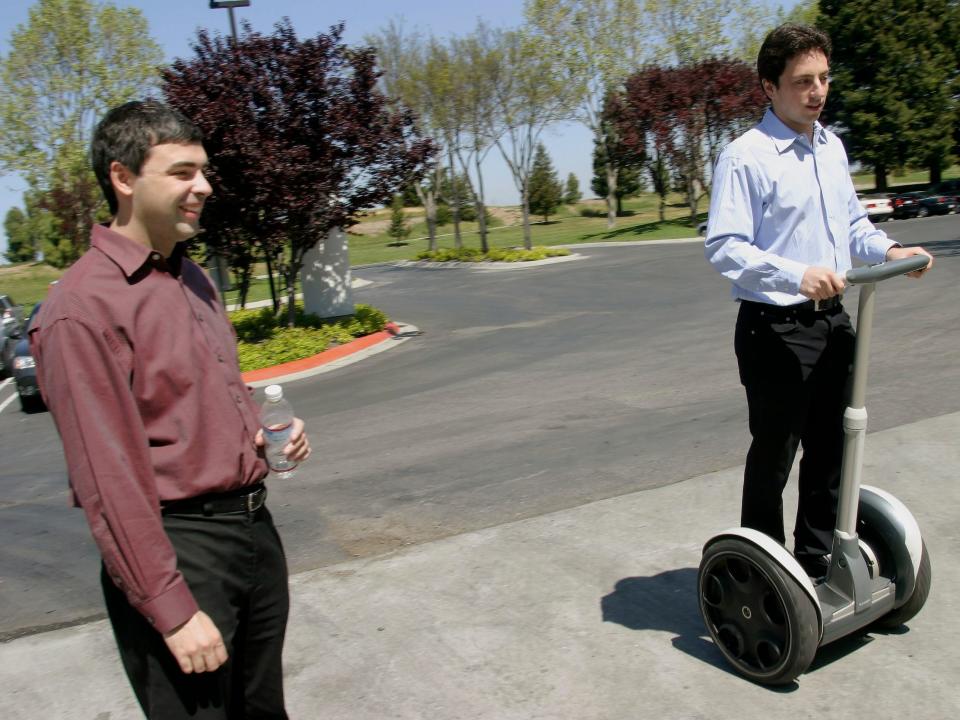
{"points": [[898, 253], [818, 283], [197, 645], [298, 449]]}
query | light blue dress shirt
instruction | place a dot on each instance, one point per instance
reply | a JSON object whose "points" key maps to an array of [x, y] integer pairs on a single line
{"points": [[780, 204]]}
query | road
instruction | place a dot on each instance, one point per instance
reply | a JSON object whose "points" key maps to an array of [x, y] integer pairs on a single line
{"points": [[531, 390]]}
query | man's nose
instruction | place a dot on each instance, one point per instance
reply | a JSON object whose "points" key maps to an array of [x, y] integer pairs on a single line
{"points": [[202, 186]]}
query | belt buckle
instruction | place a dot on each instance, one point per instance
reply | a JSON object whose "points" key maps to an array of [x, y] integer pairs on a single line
{"points": [[256, 499], [816, 306]]}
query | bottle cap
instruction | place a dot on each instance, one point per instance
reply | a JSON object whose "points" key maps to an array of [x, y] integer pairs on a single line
{"points": [[274, 392]]}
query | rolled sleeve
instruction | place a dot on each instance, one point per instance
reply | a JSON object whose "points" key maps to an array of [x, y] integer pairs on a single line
{"points": [[84, 376]]}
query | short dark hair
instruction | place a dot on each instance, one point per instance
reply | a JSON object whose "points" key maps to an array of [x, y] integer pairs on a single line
{"points": [[126, 134], [786, 42]]}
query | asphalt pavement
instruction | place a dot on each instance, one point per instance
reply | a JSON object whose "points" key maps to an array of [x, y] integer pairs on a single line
{"points": [[588, 613], [555, 577]]}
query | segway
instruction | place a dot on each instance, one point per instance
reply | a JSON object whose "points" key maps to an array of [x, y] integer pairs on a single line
{"points": [[762, 611]]}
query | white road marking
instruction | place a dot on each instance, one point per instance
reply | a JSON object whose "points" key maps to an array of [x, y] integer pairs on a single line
{"points": [[3, 405]]}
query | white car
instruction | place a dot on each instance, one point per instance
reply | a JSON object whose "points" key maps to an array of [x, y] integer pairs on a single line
{"points": [[878, 207]]}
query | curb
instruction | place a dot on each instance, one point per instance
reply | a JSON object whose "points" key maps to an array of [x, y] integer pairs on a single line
{"points": [[393, 334]]}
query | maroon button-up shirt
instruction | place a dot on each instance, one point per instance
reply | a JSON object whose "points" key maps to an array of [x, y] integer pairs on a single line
{"points": [[138, 365]]}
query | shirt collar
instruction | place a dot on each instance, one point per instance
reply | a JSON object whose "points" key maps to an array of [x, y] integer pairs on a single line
{"points": [[131, 256], [784, 137]]}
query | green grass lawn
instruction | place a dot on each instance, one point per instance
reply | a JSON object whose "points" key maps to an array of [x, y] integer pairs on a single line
{"points": [[27, 283], [907, 179]]}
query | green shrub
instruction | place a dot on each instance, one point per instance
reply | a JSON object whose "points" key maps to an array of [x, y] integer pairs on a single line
{"points": [[494, 255], [592, 212], [263, 339]]}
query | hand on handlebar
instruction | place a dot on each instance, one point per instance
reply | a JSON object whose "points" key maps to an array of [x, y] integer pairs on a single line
{"points": [[819, 283], [898, 253]]}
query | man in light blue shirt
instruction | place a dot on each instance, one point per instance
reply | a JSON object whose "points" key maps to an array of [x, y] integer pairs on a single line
{"points": [[784, 222]]}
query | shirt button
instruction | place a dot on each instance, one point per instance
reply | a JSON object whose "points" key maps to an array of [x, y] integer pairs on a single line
{"points": [[219, 357], [154, 256], [238, 398]]}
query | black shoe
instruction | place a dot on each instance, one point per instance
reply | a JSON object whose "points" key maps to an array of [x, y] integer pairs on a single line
{"points": [[815, 566]]}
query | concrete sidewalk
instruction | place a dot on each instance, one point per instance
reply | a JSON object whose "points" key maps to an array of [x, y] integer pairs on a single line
{"points": [[581, 614]]}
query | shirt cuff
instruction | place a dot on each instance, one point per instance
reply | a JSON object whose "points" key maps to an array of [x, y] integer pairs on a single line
{"points": [[170, 609], [792, 271]]}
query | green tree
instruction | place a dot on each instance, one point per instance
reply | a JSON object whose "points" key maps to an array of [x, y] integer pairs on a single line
{"points": [[30, 231], [20, 247], [398, 230], [895, 90], [628, 176], [70, 62], [597, 42], [546, 192], [417, 72], [571, 191], [531, 92], [690, 32]]}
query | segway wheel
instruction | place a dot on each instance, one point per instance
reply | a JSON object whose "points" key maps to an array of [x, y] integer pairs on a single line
{"points": [[921, 589], [756, 612]]}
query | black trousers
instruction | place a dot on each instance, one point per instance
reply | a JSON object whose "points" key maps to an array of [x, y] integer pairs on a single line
{"points": [[796, 369], [235, 567]]}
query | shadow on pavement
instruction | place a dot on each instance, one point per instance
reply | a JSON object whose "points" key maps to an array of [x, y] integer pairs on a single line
{"points": [[668, 602]]}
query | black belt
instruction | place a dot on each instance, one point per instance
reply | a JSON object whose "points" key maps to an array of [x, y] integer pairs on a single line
{"points": [[832, 304], [244, 500]]}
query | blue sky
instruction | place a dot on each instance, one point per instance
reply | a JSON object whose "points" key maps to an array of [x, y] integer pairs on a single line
{"points": [[173, 23]]}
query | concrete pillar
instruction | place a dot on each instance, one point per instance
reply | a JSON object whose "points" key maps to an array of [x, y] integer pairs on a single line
{"points": [[325, 277]]}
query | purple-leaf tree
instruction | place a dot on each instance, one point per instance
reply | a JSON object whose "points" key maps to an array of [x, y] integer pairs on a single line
{"points": [[685, 115], [299, 137]]}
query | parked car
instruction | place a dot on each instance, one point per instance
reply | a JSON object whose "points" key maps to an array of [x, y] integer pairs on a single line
{"points": [[921, 203], [948, 187], [23, 368], [11, 316], [878, 207], [4, 370]]}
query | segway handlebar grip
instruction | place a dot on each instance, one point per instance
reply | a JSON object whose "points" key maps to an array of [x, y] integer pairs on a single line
{"points": [[886, 270]]}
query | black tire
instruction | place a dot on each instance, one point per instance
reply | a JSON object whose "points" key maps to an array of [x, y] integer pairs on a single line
{"points": [[921, 590], [30, 403], [759, 617], [922, 212]]}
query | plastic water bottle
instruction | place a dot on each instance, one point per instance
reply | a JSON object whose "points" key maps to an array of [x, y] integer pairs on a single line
{"points": [[276, 418]]}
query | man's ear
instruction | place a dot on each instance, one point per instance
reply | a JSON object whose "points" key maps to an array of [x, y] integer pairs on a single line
{"points": [[122, 179], [767, 88]]}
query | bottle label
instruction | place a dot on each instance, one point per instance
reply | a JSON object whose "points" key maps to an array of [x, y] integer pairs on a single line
{"points": [[277, 435]]}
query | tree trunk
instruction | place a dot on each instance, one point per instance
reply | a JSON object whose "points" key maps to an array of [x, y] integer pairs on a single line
{"points": [[244, 275], [481, 207], [611, 172], [291, 294], [273, 289], [880, 178], [936, 171], [429, 201], [454, 200], [525, 207], [693, 199]]}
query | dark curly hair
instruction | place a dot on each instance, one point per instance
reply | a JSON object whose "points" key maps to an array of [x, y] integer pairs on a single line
{"points": [[126, 134]]}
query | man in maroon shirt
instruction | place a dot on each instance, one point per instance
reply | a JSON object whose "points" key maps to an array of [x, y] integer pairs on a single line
{"points": [[137, 363]]}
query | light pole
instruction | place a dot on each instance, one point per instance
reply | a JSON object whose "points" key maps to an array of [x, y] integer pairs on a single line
{"points": [[230, 5], [219, 262]]}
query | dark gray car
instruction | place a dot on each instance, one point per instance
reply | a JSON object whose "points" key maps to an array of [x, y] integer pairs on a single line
{"points": [[11, 316], [21, 365]]}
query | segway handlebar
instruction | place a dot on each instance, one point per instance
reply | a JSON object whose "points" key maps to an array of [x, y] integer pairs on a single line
{"points": [[886, 270]]}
